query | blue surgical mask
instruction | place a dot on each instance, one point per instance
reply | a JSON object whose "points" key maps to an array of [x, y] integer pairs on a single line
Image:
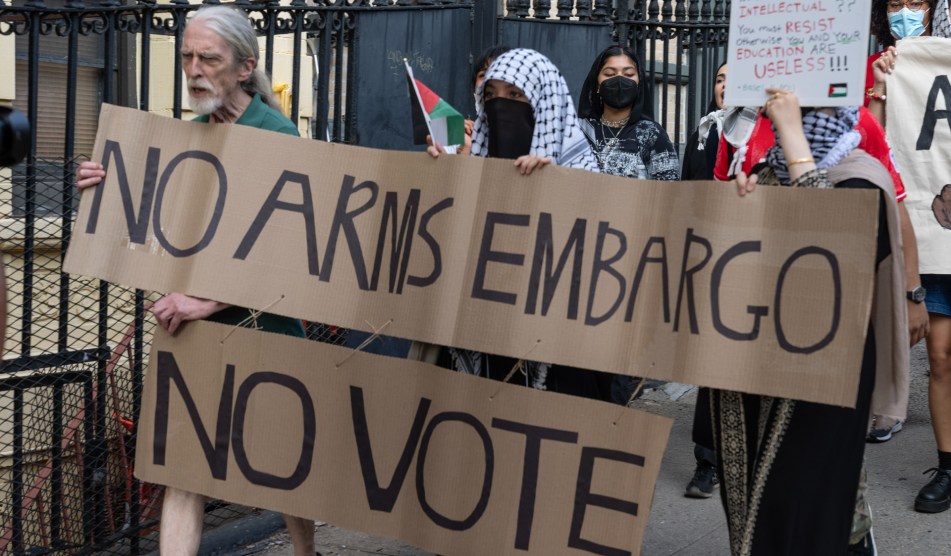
{"points": [[907, 23]]}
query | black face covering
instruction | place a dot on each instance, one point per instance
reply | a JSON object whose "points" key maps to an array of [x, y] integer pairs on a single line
{"points": [[511, 125], [619, 91]]}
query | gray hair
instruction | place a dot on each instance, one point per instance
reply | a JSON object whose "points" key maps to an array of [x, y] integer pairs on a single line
{"points": [[232, 25]]}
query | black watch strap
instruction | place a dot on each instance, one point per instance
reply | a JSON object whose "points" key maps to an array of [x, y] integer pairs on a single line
{"points": [[917, 295]]}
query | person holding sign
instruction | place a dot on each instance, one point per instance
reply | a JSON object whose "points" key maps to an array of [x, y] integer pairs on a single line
{"points": [[893, 20], [751, 150], [524, 112], [935, 496], [616, 118], [219, 59], [789, 470]]}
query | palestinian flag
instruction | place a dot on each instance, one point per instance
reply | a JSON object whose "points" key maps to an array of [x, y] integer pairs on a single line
{"points": [[838, 90], [432, 115]]}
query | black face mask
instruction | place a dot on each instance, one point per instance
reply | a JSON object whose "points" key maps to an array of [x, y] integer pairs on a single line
{"points": [[511, 126], [619, 91]]}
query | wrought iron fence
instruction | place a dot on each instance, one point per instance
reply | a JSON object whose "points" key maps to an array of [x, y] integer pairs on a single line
{"points": [[680, 42], [71, 379]]}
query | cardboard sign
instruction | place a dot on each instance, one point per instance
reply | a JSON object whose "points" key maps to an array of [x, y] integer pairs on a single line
{"points": [[770, 293], [815, 48], [452, 463], [919, 131]]}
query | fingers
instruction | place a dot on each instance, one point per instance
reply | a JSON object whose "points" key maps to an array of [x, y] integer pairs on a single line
{"points": [[745, 184], [782, 108], [886, 62], [918, 324], [165, 311], [434, 148], [161, 314], [173, 324], [528, 163], [89, 174]]}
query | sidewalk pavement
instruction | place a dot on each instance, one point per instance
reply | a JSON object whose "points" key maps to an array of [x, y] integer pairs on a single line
{"points": [[689, 527]]}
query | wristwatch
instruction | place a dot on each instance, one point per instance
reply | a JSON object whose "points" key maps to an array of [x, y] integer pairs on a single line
{"points": [[917, 295]]}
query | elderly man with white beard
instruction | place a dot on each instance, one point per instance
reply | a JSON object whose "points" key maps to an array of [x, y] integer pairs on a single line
{"points": [[219, 59]]}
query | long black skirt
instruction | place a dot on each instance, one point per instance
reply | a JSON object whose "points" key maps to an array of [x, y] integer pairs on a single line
{"points": [[789, 470]]}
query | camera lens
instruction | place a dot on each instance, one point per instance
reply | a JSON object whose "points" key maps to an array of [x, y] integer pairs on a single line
{"points": [[14, 136]]}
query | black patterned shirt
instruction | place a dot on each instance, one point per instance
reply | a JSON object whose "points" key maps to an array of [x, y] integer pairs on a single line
{"points": [[640, 150]]}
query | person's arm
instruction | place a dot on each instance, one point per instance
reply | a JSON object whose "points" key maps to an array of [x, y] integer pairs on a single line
{"points": [[783, 110], [175, 308], [918, 324], [880, 70]]}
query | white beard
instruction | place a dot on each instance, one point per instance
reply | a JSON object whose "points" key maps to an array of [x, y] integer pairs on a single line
{"points": [[209, 104], [204, 106]]}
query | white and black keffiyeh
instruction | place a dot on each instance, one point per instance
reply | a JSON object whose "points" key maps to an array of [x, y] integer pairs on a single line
{"points": [[707, 123], [738, 124], [557, 134], [831, 139], [941, 21]]}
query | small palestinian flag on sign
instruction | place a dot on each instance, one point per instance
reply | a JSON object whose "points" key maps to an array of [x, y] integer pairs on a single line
{"points": [[432, 115], [838, 90]]}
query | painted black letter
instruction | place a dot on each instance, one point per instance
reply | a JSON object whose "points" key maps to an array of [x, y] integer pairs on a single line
{"points": [[305, 208], [423, 281], [308, 417], [584, 498], [379, 498], [473, 518], [758, 312], [215, 215], [487, 255], [217, 455], [401, 243], [533, 445], [686, 280], [544, 252], [136, 223], [639, 275], [836, 304], [343, 219], [604, 265], [943, 86]]}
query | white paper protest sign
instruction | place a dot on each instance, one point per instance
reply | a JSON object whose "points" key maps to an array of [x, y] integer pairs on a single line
{"points": [[815, 48]]}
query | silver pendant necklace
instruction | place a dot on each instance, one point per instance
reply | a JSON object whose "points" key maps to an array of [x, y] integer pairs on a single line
{"points": [[611, 141]]}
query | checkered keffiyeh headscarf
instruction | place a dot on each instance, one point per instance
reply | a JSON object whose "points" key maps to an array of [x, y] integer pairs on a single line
{"points": [[831, 139], [941, 20], [557, 134]]}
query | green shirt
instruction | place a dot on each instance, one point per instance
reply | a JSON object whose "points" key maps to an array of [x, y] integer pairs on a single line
{"points": [[258, 114]]}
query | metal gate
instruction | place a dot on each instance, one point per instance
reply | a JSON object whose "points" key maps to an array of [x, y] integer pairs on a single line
{"points": [[680, 43]]}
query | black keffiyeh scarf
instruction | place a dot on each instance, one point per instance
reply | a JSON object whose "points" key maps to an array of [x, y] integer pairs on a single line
{"points": [[557, 134], [831, 139]]}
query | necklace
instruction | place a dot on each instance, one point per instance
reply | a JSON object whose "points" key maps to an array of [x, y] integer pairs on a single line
{"points": [[618, 124], [611, 141]]}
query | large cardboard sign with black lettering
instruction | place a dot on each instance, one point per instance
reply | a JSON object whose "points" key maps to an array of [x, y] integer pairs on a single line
{"points": [[770, 293], [452, 463], [919, 130]]}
